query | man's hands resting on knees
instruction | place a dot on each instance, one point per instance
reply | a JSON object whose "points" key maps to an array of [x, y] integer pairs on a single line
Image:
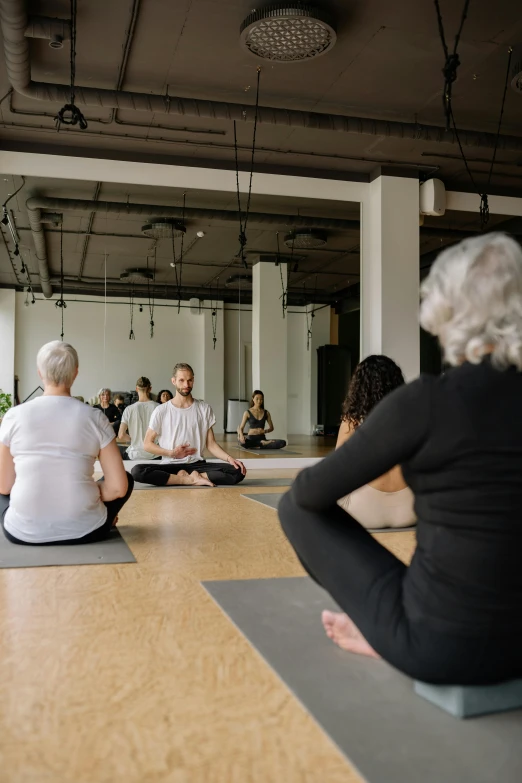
{"points": [[180, 452]]}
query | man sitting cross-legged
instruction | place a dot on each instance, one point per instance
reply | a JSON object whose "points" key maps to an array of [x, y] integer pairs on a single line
{"points": [[135, 423], [183, 428]]}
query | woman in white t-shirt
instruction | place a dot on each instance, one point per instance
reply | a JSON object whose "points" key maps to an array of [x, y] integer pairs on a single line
{"points": [[47, 451]]}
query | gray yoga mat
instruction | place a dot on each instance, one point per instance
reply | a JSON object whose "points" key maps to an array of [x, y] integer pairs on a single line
{"points": [[274, 452], [272, 500], [259, 482], [368, 709], [112, 550]]}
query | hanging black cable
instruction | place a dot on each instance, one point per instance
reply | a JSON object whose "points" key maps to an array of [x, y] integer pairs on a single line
{"points": [[174, 262], [484, 203], [151, 298], [61, 301], [8, 199], [214, 316], [132, 336], [70, 114], [181, 252], [243, 225], [284, 293], [452, 60]]}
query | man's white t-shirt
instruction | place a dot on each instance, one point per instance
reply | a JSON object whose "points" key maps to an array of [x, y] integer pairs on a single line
{"points": [[54, 442], [176, 426], [137, 418]]}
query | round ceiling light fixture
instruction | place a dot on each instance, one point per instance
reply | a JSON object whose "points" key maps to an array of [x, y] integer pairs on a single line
{"points": [[305, 239], [136, 275], [288, 32], [164, 228]]}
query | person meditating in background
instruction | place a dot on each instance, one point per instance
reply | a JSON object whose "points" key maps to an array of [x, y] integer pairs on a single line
{"points": [[119, 402], [47, 451], [453, 616], [259, 424], [386, 502], [164, 396], [135, 422], [183, 429], [109, 409]]}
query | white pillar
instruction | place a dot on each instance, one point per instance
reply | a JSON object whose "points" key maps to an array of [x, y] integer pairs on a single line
{"points": [[269, 342], [390, 272], [213, 386], [7, 340]]}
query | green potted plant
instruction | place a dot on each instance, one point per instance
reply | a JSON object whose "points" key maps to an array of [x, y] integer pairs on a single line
{"points": [[6, 402]]}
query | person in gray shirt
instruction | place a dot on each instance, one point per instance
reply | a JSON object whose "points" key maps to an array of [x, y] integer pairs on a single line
{"points": [[135, 421]]}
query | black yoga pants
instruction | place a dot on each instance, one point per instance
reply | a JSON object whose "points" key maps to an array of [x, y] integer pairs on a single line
{"points": [[113, 509], [221, 474], [366, 580], [255, 442]]}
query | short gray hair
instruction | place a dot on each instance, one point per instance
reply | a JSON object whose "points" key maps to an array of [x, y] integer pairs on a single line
{"points": [[102, 391], [57, 363], [472, 301]]}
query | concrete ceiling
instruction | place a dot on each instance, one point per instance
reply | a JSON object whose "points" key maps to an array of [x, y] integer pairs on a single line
{"points": [[386, 64]]}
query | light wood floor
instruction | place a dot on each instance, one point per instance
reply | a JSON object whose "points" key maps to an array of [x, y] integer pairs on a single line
{"points": [[131, 674], [305, 445]]}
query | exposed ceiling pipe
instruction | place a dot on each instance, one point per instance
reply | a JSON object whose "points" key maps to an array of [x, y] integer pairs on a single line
{"points": [[35, 221], [190, 213], [54, 30], [14, 22]]}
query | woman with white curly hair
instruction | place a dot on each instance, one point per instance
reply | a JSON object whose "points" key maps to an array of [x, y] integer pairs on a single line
{"points": [[453, 616]]}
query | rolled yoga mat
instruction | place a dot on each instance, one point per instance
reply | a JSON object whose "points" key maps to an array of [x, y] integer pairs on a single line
{"points": [[369, 710], [112, 550], [272, 501], [259, 482]]}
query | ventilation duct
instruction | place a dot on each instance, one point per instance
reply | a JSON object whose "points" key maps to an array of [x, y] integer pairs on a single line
{"points": [[305, 239], [288, 33], [14, 21], [154, 211]]}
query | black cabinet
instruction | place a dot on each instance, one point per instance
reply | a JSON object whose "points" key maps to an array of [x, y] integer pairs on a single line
{"points": [[334, 370]]}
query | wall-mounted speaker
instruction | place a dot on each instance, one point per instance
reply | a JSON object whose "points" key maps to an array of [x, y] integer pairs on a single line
{"points": [[433, 198]]}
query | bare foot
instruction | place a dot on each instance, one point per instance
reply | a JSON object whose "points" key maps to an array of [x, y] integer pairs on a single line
{"points": [[196, 479], [341, 630], [114, 522]]}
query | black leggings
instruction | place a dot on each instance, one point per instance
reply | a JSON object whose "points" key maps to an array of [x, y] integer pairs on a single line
{"points": [[366, 580], [113, 509], [218, 473], [255, 442]]}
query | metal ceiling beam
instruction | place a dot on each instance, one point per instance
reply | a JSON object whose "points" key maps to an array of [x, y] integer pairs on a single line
{"points": [[14, 21]]}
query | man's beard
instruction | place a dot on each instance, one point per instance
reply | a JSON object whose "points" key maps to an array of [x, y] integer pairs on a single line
{"points": [[183, 392]]}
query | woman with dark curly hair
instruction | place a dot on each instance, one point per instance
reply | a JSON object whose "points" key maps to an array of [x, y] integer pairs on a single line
{"points": [[387, 501], [164, 396]]}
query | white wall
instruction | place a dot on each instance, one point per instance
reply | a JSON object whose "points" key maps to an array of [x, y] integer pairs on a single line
{"points": [[302, 367], [7, 340], [299, 378], [232, 327], [177, 338]]}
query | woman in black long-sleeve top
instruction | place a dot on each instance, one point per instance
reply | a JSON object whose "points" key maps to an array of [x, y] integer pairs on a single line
{"points": [[454, 615]]}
